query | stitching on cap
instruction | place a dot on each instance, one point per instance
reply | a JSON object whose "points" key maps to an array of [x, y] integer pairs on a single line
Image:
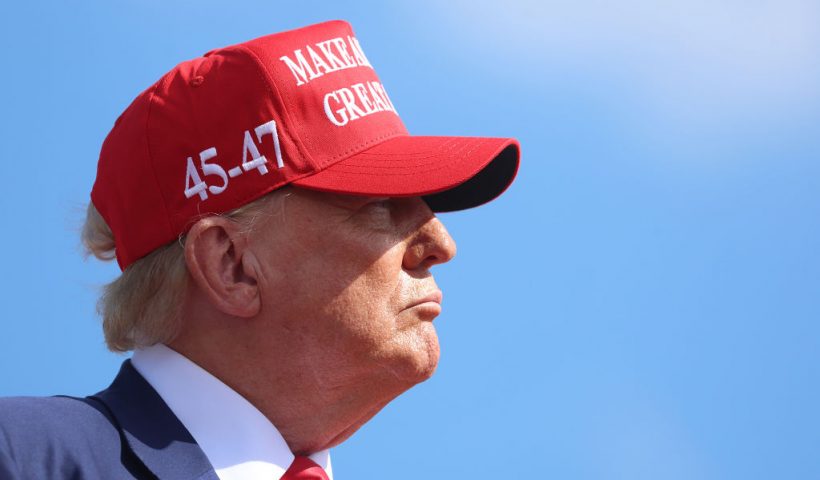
{"points": [[352, 150], [452, 151], [459, 161], [402, 161], [151, 156], [298, 141], [424, 154], [270, 84]]}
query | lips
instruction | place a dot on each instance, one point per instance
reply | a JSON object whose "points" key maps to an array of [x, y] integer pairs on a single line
{"points": [[434, 297]]}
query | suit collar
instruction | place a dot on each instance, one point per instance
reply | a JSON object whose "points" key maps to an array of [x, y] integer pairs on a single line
{"points": [[152, 431]]}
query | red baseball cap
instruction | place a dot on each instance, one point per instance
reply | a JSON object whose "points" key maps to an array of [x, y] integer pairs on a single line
{"points": [[302, 107]]}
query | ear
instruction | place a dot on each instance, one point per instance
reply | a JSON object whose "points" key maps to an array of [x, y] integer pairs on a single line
{"points": [[215, 253]]}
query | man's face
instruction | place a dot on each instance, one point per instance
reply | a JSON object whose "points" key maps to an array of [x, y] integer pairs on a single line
{"points": [[347, 279]]}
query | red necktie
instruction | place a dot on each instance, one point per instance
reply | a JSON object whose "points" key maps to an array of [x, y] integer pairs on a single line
{"points": [[304, 468]]}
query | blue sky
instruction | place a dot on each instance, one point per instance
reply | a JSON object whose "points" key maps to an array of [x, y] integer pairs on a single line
{"points": [[642, 303]]}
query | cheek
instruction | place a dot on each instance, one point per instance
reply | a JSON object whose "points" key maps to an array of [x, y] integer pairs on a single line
{"points": [[332, 266], [366, 309], [369, 281], [301, 277]]}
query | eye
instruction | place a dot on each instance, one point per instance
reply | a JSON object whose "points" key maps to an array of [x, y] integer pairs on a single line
{"points": [[381, 203], [379, 213]]}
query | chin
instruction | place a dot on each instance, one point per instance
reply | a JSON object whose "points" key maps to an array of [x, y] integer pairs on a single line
{"points": [[427, 370], [420, 357]]}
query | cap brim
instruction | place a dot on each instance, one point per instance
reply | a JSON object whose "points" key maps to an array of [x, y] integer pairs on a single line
{"points": [[451, 173]]}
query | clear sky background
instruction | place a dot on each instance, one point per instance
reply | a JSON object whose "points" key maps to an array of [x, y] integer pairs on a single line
{"points": [[643, 303]]}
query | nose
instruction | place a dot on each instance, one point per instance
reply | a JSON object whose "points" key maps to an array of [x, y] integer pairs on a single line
{"points": [[430, 245]]}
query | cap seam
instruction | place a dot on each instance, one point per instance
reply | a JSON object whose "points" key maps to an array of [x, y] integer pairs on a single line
{"points": [[151, 156], [450, 144], [270, 84], [357, 148], [355, 172], [325, 167], [461, 159], [452, 148]]}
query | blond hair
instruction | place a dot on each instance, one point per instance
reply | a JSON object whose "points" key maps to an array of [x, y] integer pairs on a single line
{"points": [[143, 306]]}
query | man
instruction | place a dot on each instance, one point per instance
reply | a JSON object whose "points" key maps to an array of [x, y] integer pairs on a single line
{"points": [[274, 223]]}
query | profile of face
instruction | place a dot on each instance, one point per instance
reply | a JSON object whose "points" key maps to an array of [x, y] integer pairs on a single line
{"points": [[347, 281]]}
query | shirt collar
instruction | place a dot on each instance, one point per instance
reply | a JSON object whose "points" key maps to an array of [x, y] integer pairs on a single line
{"points": [[239, 441]]}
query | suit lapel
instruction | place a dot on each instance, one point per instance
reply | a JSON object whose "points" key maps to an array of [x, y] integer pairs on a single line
{"points": [[152, 431]]}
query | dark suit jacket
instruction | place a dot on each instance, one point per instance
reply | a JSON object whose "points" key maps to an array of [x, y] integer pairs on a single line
{"points": [[125, 431]]}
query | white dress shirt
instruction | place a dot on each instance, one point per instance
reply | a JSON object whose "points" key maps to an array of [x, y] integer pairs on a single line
{"points": [[239, 441]]}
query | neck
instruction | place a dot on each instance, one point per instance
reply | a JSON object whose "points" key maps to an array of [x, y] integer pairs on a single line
{"points": [[314, 408]]}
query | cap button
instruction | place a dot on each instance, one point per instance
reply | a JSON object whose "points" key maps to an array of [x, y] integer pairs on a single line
{"points": [[197, 81]]}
